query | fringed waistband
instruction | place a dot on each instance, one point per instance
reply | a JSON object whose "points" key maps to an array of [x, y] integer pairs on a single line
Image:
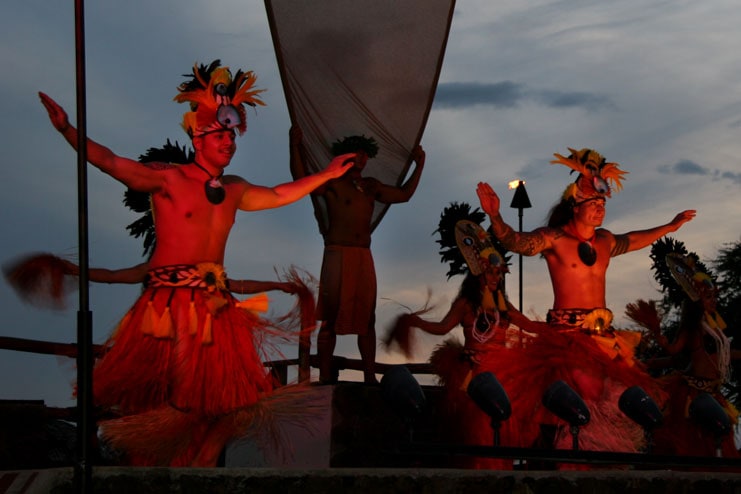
{"points": [[591, 321], [208, 275]]}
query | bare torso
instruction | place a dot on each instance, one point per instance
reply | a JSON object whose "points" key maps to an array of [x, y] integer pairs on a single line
{"points": [[576, 285], [189, 228], [350, 203]]}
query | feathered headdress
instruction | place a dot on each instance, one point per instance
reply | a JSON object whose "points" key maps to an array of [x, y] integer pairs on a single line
{"points": [[680, 273], [685, 277], [466, 246], [596, 176], [216, 99], [141, 202]]}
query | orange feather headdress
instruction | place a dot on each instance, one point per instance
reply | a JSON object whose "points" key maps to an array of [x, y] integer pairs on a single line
{"points": [[596, 176], [217, 99]]}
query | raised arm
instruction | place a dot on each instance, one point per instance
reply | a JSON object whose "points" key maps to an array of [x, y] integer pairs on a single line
{"points": [[388, 194], [631, 241], [129, 172], [256, 197], [525, 243], [296, 152]]}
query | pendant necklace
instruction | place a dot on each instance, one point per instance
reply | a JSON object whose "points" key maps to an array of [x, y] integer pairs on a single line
{"points": [[215, 192], [484, 328], [585, 249]]}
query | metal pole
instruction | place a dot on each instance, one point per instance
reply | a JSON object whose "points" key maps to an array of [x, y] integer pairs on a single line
{"points": [[519, 257], [85, 420], [520, 201]]}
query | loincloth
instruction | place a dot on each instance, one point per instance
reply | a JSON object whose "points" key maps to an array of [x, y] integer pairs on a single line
{"points": [[347, 289]]}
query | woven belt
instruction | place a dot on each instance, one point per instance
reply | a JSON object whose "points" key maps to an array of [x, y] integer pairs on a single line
{"points": [[590, 321], [204, 275]]}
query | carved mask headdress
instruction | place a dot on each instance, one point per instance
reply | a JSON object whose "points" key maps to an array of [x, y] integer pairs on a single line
{"points": [[217, 104], [470, 248], [465, 245], [596, 176], [683, 276]]}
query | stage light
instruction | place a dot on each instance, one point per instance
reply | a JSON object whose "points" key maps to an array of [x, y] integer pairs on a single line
{"points": [[709, 414], [564, 402], [642, 409], [402, 392], [489, 395]]}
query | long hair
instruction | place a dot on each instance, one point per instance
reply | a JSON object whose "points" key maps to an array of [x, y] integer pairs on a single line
{"points": [[471, 290], [561, 213]]}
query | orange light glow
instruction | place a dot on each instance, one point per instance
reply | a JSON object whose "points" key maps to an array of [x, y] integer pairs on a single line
{"points": [[514, 183]]}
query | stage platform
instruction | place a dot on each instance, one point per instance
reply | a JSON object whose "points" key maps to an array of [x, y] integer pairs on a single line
{"points": [[358, 444]]}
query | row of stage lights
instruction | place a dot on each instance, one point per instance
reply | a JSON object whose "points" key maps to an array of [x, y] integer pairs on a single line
{"points": [[404, 394]]}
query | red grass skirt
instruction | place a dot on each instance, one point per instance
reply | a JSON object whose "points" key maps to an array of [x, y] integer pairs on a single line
{"points": [[203, 359], [526, 371], [597, 376]]}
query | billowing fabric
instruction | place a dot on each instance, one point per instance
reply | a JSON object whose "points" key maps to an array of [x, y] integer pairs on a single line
{"points": [[360, 67], [349, 279]]}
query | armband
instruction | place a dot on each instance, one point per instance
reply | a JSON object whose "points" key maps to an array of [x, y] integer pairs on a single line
{"points": [[622, 242]]}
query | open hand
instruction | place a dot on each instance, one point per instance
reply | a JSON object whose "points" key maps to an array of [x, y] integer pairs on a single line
{"points": [[683, 218], [57, 115], [340, 164], [488, 198]]}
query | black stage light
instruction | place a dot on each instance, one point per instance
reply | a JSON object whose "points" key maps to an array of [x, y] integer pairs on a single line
{"points": [[489, 395], [564, 402], [642, 409], [709, 414], [402, 392]]}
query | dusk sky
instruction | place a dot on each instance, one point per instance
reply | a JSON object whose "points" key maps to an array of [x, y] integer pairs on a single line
{"points": [[653, 85]]}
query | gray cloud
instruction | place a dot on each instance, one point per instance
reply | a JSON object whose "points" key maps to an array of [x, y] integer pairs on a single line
{"points": [[560, 99], [459, 95], [733, 177], [508, 94], [688, 167]]}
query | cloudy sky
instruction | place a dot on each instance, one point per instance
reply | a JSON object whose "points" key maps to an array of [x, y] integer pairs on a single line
{"points": [[651, 84]]}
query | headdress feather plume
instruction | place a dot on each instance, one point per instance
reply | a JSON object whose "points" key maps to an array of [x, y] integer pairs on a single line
{"points": [[217, 99], [590, 165]]}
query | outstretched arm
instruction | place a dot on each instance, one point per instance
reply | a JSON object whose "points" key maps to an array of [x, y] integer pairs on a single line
{"points": [[256, 197], [138, 273], [401, 334], [253, 286], [129, 172], [388, 194], [134, 274], [453, 318], [631, 241], [525, 243]]}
